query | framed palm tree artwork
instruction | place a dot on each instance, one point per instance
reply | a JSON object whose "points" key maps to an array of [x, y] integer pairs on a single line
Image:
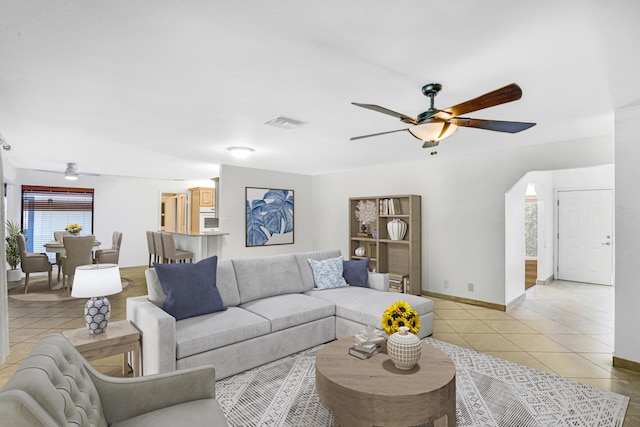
{"points": [[269, 214]]}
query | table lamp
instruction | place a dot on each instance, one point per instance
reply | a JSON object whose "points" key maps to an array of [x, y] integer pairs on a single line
{"points": [[95, 281]]}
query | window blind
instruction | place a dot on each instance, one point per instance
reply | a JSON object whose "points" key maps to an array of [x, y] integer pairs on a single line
{"points": [[49, 209]]}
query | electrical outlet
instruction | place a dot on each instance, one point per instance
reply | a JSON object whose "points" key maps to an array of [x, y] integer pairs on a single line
{"points": [[470, 287], [446, 283]]}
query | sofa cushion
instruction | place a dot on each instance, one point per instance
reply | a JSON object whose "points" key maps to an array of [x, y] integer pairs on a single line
{"points": [[191, 413], [225, 282], [267, 276], [190, 288], [366, 305], [285, 311], [306, 274], [356, 272], [199, 334], [327, 274]]}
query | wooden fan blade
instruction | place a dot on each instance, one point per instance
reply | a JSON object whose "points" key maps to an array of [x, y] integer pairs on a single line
{"points": [[379, 109], [375, 134], [496, 125], [503, 95]]}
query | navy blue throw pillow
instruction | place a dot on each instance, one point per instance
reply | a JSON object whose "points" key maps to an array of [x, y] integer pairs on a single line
{"points": [[356, 272], [190, 288]]}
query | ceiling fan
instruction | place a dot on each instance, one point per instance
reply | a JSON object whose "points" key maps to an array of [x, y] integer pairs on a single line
{"points": [[433, 125], [72, 173]]}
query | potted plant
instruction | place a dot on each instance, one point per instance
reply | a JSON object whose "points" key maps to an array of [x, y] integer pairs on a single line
{"points": [[13, 252]]}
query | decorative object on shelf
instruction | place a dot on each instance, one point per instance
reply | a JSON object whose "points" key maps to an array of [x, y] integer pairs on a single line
{"points": [[73, 229], [396, 228], [404, 349], [95, 281], [269, 216], [366, 213], [359, 251]]}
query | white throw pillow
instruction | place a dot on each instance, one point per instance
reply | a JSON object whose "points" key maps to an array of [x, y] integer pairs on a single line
{"points": [[327, 274]]}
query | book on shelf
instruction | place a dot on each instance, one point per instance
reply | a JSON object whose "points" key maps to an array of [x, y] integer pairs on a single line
{"points": [[364, 355], [390, 207], [398, 282]]}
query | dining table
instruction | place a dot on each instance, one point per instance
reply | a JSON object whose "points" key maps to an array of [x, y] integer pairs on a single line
{"points": [[58, 247]]}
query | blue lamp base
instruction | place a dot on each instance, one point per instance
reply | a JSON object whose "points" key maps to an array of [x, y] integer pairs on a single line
{"points": [[97, 312]]}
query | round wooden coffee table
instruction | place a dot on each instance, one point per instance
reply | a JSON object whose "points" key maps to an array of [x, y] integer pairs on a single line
{"points": [[373, 392]]}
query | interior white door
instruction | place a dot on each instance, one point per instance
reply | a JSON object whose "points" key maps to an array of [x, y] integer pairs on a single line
{"points": [[585, 236]]}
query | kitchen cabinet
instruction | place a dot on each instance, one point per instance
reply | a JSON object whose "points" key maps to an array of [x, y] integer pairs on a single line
{"points": [[202, 200]]}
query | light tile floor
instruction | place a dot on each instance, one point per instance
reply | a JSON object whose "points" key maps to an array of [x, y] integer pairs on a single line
{"points": [[565, 328]]}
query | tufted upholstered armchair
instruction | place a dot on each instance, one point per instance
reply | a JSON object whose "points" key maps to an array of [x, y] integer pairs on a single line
{"points": [[55, 386]]}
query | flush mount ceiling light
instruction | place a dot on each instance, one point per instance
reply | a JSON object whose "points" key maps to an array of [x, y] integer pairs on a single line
{"points": [[240, 152]]}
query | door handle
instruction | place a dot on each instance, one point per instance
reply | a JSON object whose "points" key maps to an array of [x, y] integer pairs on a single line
{"points": [[607, 244]]}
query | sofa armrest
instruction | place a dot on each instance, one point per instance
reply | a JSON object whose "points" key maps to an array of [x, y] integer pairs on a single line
{"points": [[158, 330], [19, 409], [153, 392], [379, 281]]}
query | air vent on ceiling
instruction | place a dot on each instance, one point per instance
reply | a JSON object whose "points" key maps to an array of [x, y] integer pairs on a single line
{"points": [[284, 123]]}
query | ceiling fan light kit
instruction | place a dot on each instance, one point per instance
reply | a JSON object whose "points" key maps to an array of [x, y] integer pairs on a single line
{"points": [[71, 173], [433, 125]]}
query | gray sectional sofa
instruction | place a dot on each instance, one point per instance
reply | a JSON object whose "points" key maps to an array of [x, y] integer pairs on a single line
{"points": [[273, 310]]}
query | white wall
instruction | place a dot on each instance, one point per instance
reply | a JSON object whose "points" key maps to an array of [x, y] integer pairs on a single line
{"points": [[463, 207], [627, 235], [232, 212], [130, 205]]}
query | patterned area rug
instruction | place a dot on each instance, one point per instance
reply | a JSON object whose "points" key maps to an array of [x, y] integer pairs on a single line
{"points": [[490, 392], [39, 290]]}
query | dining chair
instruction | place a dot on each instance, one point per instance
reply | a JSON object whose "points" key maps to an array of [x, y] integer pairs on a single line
{"points": [[171, 253], [57, 236], [32, 262], [151, 246], [110, 256], [157, 240], [77, 252]]}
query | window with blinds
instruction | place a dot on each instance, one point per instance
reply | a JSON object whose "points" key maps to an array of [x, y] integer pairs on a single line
{"points": [[49, 209]]}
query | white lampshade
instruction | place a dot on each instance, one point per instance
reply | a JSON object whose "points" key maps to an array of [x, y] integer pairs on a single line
{"points": [[96, 280], [431, 130]]}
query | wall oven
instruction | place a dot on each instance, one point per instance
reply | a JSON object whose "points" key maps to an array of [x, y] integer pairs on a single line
{"points": [[208, 220]]}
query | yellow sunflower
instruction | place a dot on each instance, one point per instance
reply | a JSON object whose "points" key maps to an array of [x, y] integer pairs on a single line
{"points": [[387, 322], [400, 307], [414, 324]]}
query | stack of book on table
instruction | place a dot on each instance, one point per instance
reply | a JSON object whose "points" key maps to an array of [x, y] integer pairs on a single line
{"points": [[367, 343]]}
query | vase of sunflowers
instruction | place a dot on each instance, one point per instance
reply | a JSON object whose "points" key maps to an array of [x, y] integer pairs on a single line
{"points": [[73, 229], [402, 323]]}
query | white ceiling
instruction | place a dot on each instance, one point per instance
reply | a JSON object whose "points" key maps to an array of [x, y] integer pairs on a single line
{"points": [[161, 88]]}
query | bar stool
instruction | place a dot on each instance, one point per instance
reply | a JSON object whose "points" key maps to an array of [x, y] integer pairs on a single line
{"points": [[157, 244], [171, 253], [151, 246]]}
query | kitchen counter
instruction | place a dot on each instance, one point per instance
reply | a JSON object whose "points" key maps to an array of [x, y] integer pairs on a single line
{"points": [[203, 245]]}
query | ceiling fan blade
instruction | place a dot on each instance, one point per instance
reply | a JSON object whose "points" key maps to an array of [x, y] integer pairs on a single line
{"points": [[503, 95], [376, 134], [403, 117], [496, 125]]}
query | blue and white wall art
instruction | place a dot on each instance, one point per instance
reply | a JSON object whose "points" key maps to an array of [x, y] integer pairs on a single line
{"points": [[269, 216]]}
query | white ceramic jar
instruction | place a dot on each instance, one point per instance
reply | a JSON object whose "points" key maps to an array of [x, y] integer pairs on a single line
{"points": [[404, 348]]}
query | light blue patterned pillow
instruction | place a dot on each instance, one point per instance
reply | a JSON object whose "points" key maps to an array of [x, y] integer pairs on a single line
{"points": [[327, 274]]}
